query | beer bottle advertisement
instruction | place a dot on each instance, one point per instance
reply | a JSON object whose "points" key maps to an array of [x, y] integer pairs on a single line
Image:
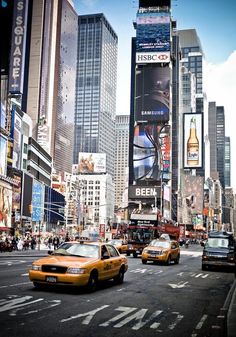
{"points": [[192, 141]]}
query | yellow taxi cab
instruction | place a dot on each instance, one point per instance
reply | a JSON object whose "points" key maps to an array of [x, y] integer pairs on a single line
{"points": [[120, 245], [161, 250], [79, 264]]}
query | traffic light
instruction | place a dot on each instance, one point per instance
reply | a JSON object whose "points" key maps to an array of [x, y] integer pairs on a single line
{"points": [[30, 208]]}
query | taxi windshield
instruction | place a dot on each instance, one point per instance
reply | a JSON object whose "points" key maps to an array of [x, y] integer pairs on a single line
{"points": [[157, 243], [77, 249]]}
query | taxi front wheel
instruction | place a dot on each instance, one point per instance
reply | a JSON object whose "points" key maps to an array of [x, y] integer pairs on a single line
{"points": [[93, 282]]}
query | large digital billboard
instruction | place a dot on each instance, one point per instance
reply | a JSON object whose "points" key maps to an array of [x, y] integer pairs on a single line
{"points": [[151, 152], [152, 94], [193, 187], [91, 163], [193, 140], [153, 37]]}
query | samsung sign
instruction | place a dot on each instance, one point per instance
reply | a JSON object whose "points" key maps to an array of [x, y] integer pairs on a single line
{"points": [[156, 57], [18, 42]]}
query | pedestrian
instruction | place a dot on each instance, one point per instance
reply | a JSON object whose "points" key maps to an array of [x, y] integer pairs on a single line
{"points": [[50, 242], [56, 242]]}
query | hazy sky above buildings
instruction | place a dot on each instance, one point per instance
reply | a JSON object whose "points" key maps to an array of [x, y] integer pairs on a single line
{"points": [[214, 21]]}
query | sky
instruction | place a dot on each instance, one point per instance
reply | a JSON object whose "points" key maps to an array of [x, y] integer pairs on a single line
{"points": [[215, 23]]}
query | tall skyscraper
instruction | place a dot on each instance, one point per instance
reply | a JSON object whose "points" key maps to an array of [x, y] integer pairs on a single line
{"points": [[212, 135], [192, 59], [96, 88], [122, 157], [51, 83], [220, 143], [227, 162]]}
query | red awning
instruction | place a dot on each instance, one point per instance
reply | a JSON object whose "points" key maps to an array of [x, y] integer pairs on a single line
{"points": [[5, 229]]}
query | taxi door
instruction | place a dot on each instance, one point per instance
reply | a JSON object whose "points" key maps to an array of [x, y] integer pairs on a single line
{"points": [[107, 264]]}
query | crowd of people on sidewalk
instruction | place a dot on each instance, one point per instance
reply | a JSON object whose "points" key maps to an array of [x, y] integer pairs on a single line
{"points": [[10, 243]]}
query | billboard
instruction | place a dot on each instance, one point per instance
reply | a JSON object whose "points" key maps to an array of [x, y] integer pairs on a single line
{"points": [[5, 206], [193, 187], [18, 44], [152, 94], [153, 37], [3, 155], [151, 152], [26, 201], [17, 141], [90, 163], [37, 201], [193, 140]]}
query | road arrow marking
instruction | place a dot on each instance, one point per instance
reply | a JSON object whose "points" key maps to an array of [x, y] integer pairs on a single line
{"points": [[178, 285]]}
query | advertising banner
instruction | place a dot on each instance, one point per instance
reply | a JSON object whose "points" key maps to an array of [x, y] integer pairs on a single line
{"points": [[5, 206], [151, 152], [18, 44], [152, 94], [37, 201], [3, 155], [91, 163], [193, 140], [193, 187], [27, 195], [153, 31], [17, 142]]}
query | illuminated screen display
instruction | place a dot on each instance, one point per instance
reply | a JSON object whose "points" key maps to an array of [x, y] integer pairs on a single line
{"points": [[152, 94], [148, 151]]}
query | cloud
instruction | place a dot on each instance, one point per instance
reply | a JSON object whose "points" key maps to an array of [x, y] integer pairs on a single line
{"points": [[220, 87], [89, 3]]}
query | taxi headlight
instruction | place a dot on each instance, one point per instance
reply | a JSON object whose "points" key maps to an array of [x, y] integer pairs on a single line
{"points": [[145, 250], [76, 271], [36, 267]]}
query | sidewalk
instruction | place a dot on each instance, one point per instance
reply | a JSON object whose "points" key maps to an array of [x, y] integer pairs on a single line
{"points": [[38, 251]]}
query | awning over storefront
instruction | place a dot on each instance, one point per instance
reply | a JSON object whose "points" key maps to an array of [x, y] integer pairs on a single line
{"points": [[5, 229]]}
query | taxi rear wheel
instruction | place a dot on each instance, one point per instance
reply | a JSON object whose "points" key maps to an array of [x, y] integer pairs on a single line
{"points": [[93, 282], [120, 277]]}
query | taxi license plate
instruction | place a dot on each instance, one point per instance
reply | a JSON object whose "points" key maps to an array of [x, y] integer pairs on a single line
{"points": [[152, 255], [51, 279]]}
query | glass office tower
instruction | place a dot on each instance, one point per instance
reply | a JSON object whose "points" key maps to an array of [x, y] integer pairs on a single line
{"points": [[96, 88]]}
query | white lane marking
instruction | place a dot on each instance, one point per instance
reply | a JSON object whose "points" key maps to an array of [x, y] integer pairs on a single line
{"points": [[201, 322], [15, 285], [14, 303], [177, 320], [138, 270], [88, 315], [125, 311], [26, 274], [52, 303]]}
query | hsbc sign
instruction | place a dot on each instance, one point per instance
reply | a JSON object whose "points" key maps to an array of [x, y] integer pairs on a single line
{"points": [[156, 57]]}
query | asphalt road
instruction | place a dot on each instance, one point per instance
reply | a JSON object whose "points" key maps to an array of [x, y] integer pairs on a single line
{"points": [[154, 300]]}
